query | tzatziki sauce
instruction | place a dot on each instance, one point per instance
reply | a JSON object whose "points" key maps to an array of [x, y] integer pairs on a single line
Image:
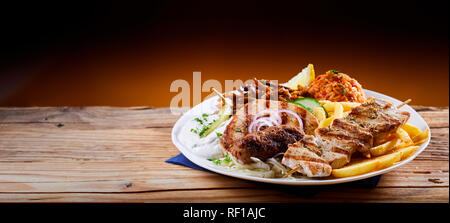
{"points": [[208, 146]]}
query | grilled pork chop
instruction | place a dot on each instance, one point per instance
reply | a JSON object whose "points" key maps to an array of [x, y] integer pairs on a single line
{"points": [[270, 141], [378, 116], [312, 165], [335, 144], [347, 137]]}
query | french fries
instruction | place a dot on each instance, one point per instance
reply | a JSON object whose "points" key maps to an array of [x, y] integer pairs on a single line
{"points": [[330, 105], [385, 147], [422, 137], [338, 110], [388, 160], [334, 109], [407, 151], [404, 137], [416, 135], [370, 165], [355, 169], [320, 114], [349, 105], [326, 122], [412, 130]]}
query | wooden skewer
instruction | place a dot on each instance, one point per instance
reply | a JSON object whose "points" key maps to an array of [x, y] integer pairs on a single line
{"points": [[220, 95], [404, 103], [292, 171]]}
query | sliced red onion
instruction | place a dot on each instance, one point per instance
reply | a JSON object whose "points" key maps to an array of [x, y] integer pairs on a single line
{"points": [[272, 113], [300, 122], [274, 119], [264, 121]]}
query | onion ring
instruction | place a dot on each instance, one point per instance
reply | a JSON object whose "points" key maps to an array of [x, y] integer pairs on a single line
{"points": [[274, 119], [300, 121]]}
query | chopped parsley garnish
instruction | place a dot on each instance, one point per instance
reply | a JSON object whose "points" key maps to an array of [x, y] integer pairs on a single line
{"points": [[204, 126], [227, 159], [332, 77], [238, 130], [215, 161], [341, 86], [199, 120], [218, 134], [334, 71], [219, 161], [344, 91]]}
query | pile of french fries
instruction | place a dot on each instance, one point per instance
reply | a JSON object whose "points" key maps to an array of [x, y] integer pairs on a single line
{"points": [[400, 146], [334, 109]]}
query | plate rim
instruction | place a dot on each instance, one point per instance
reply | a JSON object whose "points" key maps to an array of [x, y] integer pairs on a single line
{"points": [[299, 182]]}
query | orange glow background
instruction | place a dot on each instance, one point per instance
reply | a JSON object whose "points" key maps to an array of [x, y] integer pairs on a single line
{"points": [[137, 69]]}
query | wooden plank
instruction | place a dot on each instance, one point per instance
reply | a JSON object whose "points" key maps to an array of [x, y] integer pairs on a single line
{"points": [[436, 119], [132, 117], [438, 147], [246, 195]]}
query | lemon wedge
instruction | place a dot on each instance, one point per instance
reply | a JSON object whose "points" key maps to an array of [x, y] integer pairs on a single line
{"points": [[304, 78]]}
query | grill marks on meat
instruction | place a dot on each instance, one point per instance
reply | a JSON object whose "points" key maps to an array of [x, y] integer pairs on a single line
{"points": [[349, 137], [325, 156], [335, 155], [269, 141], [312, 164], [266, 143], [380, 117], [335, 144]]}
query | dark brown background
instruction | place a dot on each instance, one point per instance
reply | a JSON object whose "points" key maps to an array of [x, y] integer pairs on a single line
{"points": [[128, 54]]}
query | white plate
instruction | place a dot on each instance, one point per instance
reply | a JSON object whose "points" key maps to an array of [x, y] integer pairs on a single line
{"points": [[415, 119]]}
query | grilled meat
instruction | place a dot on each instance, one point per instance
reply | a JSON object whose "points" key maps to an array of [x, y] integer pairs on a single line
{"points": [[263, 89], [335, 144], [266, 143], [335, 155], [380, 117], [312, 165], [347, 137], [233, 140]]}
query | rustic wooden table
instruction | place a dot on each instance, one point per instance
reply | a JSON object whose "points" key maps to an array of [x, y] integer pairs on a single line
{"points": [[105, 154]]}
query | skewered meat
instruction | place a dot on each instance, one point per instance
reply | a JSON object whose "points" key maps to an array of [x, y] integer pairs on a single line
{"points": [[312, 164], [380, 117], [335, 144], [262, 89], [233, 139], [347, 137]]}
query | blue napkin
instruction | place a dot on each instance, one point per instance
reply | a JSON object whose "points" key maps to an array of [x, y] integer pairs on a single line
{"points": [[180, 159]]}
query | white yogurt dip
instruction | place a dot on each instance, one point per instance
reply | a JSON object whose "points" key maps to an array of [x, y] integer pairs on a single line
{"points": [[208, 146]]}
